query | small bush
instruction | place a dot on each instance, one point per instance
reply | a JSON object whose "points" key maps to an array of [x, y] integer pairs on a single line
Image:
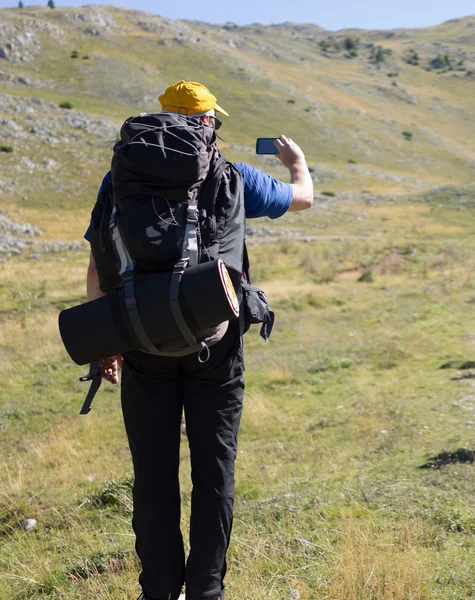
{"points": [[351, 54], [330, 194], [85, 57], [311, 170], [67, 105], [308, 109], [6, 148], [324, 45], [407, 135], [351, 43], [366, 276], [74, 54], [290, 101], [412, 58], [393, 74], [116, 493], [351, 161], [440, 61], [378, 54]]}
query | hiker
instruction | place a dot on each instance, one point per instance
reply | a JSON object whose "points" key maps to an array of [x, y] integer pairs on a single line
{"points": [[156, 389]]}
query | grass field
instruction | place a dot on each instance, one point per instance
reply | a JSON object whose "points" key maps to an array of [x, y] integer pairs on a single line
{"points": [[343, 408], [355, 473]]}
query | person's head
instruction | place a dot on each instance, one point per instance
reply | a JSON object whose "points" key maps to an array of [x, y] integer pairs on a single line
{"points": [[192, 99]]}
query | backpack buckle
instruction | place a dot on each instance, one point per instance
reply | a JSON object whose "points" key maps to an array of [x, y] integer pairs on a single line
{"points": [[192, 215]]}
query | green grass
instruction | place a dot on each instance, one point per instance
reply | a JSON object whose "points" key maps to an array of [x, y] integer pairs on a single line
{"points": [[345, 404], [342, 408]]}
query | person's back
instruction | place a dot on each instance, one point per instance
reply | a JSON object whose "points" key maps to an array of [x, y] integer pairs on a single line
{"points": [[157, 389]]}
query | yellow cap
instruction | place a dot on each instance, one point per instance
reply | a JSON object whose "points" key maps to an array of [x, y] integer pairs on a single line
{"points": [[189, 98]]}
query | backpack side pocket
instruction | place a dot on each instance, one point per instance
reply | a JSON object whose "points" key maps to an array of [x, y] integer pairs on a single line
{"points": [[257, 310]]}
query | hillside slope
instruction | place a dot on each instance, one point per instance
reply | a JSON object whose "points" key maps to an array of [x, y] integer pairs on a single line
{"points": [[355, 472], [346, 97]]}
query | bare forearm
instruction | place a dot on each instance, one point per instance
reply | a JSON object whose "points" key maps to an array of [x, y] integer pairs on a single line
{"points": [[291, 156], [302, 186]]}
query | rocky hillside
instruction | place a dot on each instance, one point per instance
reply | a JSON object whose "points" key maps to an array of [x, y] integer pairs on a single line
{"points": [[382, 111]]}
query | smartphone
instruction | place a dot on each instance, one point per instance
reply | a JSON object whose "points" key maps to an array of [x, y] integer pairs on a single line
{"points": [[266, 146]]}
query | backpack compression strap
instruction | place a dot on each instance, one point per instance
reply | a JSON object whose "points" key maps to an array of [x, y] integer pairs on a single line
{"points": [[190, 240], [126, 273], [194, 345]]}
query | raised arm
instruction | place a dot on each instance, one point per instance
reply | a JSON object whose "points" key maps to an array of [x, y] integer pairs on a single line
{"points": [[291, 155]]}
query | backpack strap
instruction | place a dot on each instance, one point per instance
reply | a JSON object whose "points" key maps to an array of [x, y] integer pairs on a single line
{"points": [[190, 241], [214, 177], [194, 345], [95, 377], [127, 275]]}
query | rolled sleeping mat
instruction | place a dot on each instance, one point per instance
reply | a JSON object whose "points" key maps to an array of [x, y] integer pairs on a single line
{"points": [[101, 328]]}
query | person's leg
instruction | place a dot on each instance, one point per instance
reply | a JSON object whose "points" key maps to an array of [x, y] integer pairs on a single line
{"points": [[152, 408], [213, 397]]}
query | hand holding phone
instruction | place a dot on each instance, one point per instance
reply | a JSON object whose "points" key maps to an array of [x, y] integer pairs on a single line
{"points": [[284, 148], [266, 146]]}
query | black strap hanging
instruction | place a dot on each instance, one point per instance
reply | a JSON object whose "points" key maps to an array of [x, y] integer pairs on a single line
{"points": [[94, 376]]}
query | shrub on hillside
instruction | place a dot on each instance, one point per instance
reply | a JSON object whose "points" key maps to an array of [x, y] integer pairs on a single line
{"points": [[351, 54], [51, 4], [407, 135], [378, 54], [330, 194], [412, 58], [66, 105], [441, 61], [366, 276], [351, 43], [6, 148]]}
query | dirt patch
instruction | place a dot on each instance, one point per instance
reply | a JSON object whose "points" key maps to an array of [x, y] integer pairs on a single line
{"points": [[390, 264]]}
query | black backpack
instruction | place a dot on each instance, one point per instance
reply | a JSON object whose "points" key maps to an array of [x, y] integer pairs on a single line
{"points": [[172, 201], [163, 165]]}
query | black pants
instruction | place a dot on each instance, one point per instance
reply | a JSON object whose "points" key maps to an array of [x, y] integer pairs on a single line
{"points": [[154, 392]]}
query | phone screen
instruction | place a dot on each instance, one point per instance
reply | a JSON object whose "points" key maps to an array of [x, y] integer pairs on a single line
{"points": [[266, 146]]}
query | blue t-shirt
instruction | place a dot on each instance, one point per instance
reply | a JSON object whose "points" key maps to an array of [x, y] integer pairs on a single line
{"points": [[264, 196]]}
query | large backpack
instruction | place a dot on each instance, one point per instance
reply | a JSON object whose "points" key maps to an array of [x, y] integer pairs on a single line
{"points": [[172, 201]]}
